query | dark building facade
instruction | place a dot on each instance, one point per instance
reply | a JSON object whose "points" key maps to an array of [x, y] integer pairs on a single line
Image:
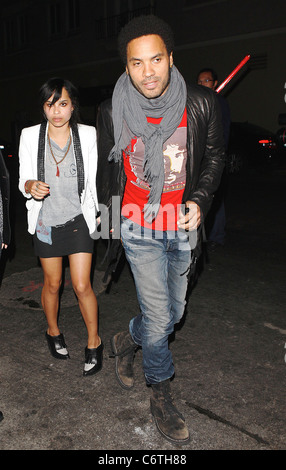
{"points": [[76, 39]]}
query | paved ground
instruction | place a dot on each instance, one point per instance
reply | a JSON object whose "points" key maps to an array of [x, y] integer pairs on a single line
{"points": [[229, 351]]}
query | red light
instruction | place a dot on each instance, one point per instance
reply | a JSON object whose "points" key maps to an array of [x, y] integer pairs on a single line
{"points": [[10, 156], [267, 143]]}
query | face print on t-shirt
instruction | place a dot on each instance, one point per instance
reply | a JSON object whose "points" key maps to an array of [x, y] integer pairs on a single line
{"points": [[174, 154]]}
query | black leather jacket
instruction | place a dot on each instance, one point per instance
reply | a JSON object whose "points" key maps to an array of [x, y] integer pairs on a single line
{"points": [[205, 151]]}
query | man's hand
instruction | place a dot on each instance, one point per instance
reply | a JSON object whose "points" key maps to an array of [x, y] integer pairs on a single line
{"points": [[192, 219]]}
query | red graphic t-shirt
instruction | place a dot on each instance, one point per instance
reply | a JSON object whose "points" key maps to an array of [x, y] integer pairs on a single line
{"points": [[137, 189]]}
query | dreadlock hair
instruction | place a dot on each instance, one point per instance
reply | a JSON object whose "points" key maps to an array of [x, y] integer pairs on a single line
{"points": [[143, 26]]}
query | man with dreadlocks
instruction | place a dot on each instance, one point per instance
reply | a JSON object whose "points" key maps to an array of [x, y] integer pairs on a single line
{"points": [[161, 150]]}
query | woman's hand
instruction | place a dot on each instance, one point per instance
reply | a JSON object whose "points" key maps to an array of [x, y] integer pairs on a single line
{"points": [[37, 189]]}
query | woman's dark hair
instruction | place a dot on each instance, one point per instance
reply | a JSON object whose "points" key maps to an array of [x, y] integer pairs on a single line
{"points": [[143, 26], [54, 86]]}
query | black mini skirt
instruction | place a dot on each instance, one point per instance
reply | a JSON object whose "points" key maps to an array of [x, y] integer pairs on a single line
{"points": [[72, 237]]}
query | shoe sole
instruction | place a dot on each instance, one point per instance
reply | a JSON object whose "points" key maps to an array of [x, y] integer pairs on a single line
{"points": [[173, 441], [114, 350]]}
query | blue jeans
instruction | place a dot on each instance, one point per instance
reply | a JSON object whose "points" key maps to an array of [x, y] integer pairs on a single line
{"points": [[160, 268]]}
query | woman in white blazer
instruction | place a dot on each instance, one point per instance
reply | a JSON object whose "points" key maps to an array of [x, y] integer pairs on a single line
{"points": [[58, 162]]}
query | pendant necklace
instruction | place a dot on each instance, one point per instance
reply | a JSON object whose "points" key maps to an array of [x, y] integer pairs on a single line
{"points": [[58, 162]]}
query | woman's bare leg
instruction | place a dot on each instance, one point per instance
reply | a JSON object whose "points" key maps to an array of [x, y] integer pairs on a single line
{"points": [[80, 266], [52, 268]]}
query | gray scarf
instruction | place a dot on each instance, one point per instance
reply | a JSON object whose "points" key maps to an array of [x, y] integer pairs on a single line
{"points": [[129, 111]]}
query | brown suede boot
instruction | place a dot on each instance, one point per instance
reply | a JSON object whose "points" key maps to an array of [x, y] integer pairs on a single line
{"points": [[169, 421], [124, 348]]}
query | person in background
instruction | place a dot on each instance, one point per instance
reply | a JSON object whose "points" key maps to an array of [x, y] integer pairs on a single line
{"points": [[58, 163], [216, 220], [5, 229], [161, 152]]}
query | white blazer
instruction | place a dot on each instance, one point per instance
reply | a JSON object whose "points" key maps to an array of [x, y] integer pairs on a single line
{"points": [[28, 151]]}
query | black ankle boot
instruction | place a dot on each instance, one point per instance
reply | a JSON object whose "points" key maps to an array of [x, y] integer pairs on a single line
{"points": [[93, 360], [170, 423], [57, 346]]}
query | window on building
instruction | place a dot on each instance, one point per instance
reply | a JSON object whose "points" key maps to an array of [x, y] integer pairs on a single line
{"points": [[10, 36], [15, 33], [56, 19], [64, 18], [22, 30], [117, 14], [73, 15]]}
